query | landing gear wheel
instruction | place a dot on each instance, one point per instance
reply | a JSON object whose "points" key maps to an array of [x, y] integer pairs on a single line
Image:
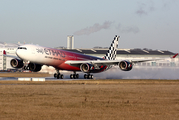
{"points": [[74, 76], [71, 76], [58, 76], [26, 68], [77, 76], [55, 75], [61, 76], [88, 76], [85, 76]]}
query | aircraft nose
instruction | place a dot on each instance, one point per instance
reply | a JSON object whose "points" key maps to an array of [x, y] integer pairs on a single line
{"points": [[21, 51], [17, 52]]}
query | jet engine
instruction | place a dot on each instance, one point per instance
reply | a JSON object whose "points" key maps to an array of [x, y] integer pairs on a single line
{"points": [[86, 67], [16, 63], [125, 65], [34, 67]]}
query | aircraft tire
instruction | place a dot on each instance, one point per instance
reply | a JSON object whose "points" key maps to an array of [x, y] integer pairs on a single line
{"points": [[71, 76], [55, 75], [61, 76], [85, 76], [91, 76], [58, 76], [26, 68], [77, 76], [74, 76]]}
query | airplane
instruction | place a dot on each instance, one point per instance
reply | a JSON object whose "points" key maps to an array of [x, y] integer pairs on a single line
{"points": [[33, 57]]}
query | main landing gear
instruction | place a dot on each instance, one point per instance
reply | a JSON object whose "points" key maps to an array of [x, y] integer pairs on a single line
{"points": [[88, 76], [58, 75], [74, 76]]}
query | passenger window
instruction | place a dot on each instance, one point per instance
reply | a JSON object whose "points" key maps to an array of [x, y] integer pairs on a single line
{"points": [[22, 48]]}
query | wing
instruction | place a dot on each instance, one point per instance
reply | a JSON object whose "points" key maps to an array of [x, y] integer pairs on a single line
{"points": [[108, 62], [96, 62], [102, 62]]}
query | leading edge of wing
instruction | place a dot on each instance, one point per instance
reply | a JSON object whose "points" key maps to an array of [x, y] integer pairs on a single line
{"points": [[98, 62], [103, 62], [139, 61]]}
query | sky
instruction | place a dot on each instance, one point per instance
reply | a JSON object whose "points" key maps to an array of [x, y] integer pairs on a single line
{"points": [[152, 24]]}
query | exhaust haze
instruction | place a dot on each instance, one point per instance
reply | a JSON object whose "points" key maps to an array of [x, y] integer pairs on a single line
{"points": [[140, 73]]}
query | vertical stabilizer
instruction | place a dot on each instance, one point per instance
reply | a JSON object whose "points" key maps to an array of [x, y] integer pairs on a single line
{"points": [[111, 54]]}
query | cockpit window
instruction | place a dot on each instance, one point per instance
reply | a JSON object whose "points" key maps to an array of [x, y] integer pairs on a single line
{"points": [[22, 48]]}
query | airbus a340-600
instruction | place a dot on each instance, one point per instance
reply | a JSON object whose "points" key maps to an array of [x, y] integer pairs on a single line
{"points": [[36, 56]]}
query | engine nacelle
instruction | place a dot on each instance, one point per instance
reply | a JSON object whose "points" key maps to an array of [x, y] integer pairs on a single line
{"points": [[86, 67], [34, 67], [16, 63], [125, 65]]}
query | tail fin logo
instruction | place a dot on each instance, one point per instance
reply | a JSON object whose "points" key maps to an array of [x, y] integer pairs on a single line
{"points": [[111, 54]]}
